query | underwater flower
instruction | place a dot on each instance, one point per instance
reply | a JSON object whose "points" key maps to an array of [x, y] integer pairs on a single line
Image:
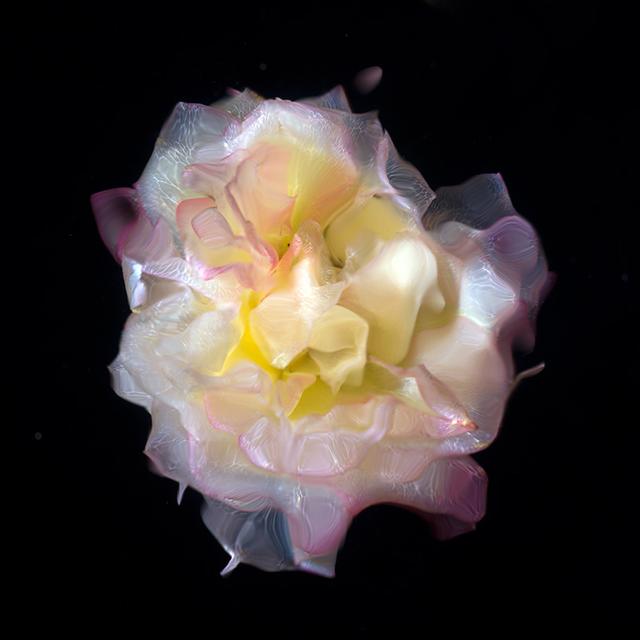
{"points": [[314, 330]]}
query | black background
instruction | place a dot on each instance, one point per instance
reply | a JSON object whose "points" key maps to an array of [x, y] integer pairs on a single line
{"points": [[539, 91]]}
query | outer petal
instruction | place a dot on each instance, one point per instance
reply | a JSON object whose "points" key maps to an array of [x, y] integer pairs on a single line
{"points": [[115, 213], [403, 181], [190, 127], [335, 98], [239, 104]]}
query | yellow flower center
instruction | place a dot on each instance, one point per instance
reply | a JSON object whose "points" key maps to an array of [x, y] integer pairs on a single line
{"points": [[353, 277]]}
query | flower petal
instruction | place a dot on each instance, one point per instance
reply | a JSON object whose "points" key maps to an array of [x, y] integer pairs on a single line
{"points": [[308, 294], [188, 128], [378, 217], [115, 213], [240, 103], [401, 277], [465, 356], [335, 98], [337, 344]]}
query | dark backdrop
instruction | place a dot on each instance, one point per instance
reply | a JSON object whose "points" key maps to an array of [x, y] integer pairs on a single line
{"points": [[539, 91]]}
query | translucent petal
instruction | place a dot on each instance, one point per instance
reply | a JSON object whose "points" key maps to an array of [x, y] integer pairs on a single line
{"points": [[189, 127], [115, 213], [240, 103], [484, 296], [478, 203], [259, 537], [404, 180], [304, 346], [335, 98]]}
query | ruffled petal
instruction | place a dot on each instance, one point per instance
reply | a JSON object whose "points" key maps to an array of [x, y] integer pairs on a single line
{"points": [[309, 292], [332, 447], [239, 104], [188, 128], [403, 181], [304, 346]]}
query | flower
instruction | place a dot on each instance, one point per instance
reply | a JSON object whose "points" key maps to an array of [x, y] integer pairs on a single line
{"points": [[314, 330]]}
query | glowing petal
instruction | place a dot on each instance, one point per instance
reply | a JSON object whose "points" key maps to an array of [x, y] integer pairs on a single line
{"points": [[206, 342], [378, 216], [281, 324], [304, 346], [261, 189], [338, 346], [389, 290]]}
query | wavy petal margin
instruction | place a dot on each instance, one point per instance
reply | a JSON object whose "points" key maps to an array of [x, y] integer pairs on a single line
{"points": [[315, 330]]}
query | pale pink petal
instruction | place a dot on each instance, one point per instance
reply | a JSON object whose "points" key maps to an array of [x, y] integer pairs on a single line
{"points": [[115, 213], [290, 235], [189, 128]]}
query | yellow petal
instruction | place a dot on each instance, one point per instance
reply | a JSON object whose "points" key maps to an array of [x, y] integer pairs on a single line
{"points": [[323, 185], [388, 292], [281, 324], [246, 347], [317, 398], [378, 216], [338, 346]]}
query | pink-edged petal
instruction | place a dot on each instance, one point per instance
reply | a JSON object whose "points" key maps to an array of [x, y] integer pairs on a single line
{"points": [[212, 229], [132, 239], [445, 416], [115, 213], [189, 128], [333, 448], [318, 524], [212, 249], [466, 358], [452, 488], [291, 387], [503, 270], [397, 461]]}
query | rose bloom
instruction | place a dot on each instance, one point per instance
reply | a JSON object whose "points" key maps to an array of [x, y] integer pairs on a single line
{"points": [[314, 330]]}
